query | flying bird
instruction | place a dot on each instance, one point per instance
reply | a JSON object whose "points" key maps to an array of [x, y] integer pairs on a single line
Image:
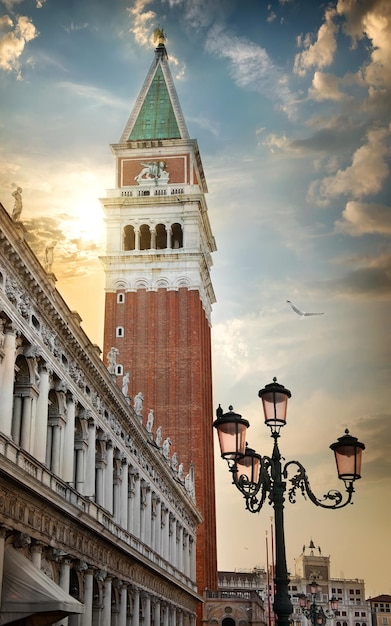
{"points": [[300, 313]]}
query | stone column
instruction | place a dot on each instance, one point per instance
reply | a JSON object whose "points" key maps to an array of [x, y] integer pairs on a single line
{"points": [[108, 496], [64, 583], [153, 237], [41, 422], [148, 517], [17, 419], [36, 555], [88, 591], [147, 610], [157, 612], [69, 443], [169, 233], [180, 617], [106, 613], [165, 533], [137, 507], [3, 532], [173, 546], [7, 376], [166, 615], [56, 449], [117, 483], [136, 608], [123, 605], [137, 239], [192, 559], [99, 486], [123, 517], [49, 440], [180, 549], [26, 423], [158, 526], [89, 487]]}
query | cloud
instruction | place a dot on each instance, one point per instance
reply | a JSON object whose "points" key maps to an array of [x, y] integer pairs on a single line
{"points": [[325, 87], [143, 22], [75, 27], [370, 278], [375, 430], [251, 66], [10, 4], [96, 95], [200, 14], [321, 52], [72, 257], [359, 219], [365, 176], [13, 42], [371, 20]]}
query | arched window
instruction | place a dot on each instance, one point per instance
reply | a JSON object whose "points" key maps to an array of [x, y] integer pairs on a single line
{"points": [[129, 238], [120, 298], [119, 332], [145, 237], [161, 237], [177, 236], [119, 370], [228, 621]]}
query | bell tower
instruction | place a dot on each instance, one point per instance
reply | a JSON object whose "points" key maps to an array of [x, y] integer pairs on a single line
{"points": [[159, 293]]}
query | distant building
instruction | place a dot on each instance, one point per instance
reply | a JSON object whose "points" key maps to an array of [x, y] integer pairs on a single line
{"points": [[238, 601], [380, 610], [238, 589], [353, 609]]}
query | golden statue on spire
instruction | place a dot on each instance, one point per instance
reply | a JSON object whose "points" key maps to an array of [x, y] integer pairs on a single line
{"points": [[159, 35]]}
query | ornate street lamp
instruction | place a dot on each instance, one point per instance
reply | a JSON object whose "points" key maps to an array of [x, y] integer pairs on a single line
{"points": [[258, 477], [314, 612]]}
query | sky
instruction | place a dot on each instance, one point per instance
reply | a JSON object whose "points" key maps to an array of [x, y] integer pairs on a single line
{"points": [[290, 103]]}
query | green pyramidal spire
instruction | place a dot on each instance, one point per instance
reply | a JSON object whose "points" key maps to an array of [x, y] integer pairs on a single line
{"points": [[157, 113]]}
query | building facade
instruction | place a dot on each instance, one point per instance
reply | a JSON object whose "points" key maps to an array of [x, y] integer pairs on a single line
{"points": [[381, 610], [239, 600], [159, 293], [96, 526]]}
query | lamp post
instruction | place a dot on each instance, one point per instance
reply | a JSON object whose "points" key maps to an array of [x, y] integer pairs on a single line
{"points": [[314, 612], [258, 477]]}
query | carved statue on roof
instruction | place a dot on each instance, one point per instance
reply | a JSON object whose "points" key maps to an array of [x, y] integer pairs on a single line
{"points": [[159, 35], [18, 205], [49, 256]]}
